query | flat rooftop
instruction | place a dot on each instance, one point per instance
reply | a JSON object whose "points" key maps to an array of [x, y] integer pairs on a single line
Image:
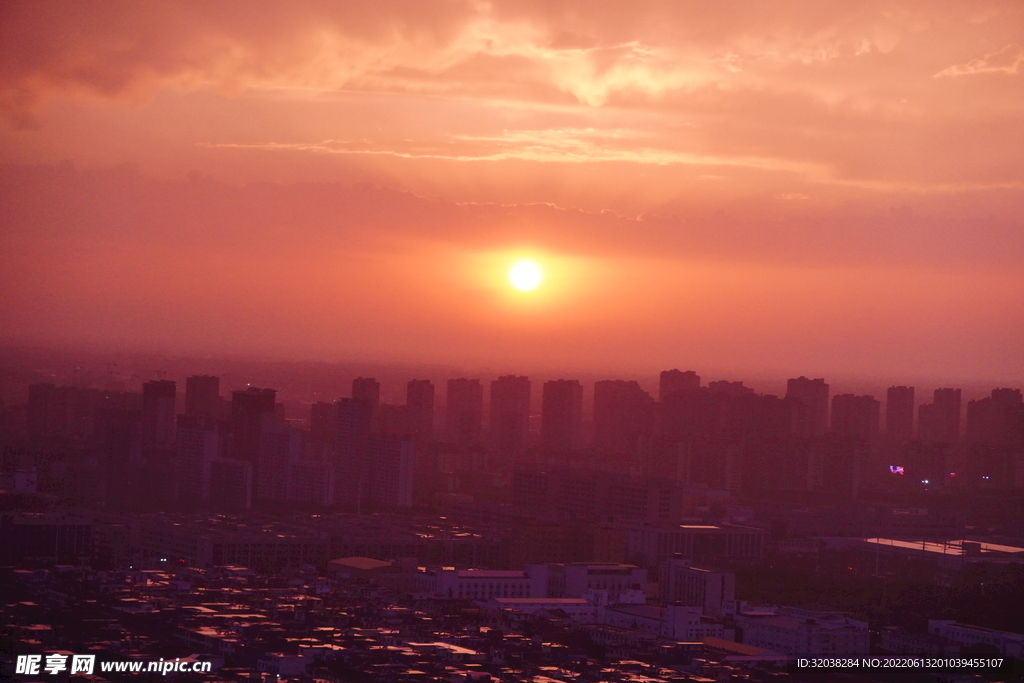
{"points": [[492, 574], [955, 547], [540, 601]]}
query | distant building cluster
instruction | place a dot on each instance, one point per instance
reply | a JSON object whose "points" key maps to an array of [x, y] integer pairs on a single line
{"points": [[627, 456], [468, 537]]}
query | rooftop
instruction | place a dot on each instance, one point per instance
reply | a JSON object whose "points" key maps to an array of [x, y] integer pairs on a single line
{"points": [[361, 563], [947, 548], [540, 601]]}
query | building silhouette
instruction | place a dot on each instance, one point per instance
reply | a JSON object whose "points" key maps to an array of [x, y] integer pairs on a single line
{"points": [[197, 448], [734, 389], [940, 420], [390, 472], [312, 481], [323, 421], [68, 413], [369, 468], [249, 407], [117, 438], [231, 484], [674, 381], [419, 402], [392, 419], [509, 425], [280, 449], [812, 397], [855, 416], [352, 447], [202, 396], [623, 416], [158, 416], [367, 389], [464, 409], [899, 414], [561, 415], [996, 420]]}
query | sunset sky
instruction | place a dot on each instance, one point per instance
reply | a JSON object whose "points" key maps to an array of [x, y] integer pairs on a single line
{"points": [[776, 187]]}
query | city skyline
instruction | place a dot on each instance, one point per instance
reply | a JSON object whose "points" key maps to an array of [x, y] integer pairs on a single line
{"points": [[512, 341], [802, 190]]}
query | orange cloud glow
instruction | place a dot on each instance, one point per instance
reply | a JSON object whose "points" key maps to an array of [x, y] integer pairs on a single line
{"points": [[823, 187]]}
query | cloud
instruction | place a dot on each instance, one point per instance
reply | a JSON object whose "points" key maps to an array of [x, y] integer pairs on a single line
{"points": [[562, 145], [1005, 61], [833, 95], [128, 51], [61, 206]]}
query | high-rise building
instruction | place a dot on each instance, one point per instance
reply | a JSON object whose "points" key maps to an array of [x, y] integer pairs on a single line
{"points": [[323, 421], [118, 442], [231, 483], [899, 413], [855, 416], [352, 445], [158, 418], [367, 389], [561, 414], [926, 462], [509, 426], [249, 409], [280, 449], [464, 409], [202, 396], [812, 397], [390, 475], [419, 404], [997, 420], [198, 446], [940, 420], [734, 389], [312, 482], [839, 465], [674, 381], [1007, 396], [68, 412], [623, 418], [370, 468], [248, 406], [391, 419]]}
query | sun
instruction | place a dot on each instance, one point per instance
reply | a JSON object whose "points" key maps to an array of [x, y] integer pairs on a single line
{"points": [[525, 275]]}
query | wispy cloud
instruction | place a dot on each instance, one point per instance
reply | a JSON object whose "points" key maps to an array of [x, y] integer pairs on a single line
{"points": [[565, 145], [1009, 60]]}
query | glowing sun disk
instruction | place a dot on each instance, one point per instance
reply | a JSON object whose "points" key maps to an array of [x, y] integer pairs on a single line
{"points": [[525, 275]]}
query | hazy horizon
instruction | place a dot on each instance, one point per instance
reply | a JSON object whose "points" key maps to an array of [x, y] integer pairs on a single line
{"points": [[237, 371]]}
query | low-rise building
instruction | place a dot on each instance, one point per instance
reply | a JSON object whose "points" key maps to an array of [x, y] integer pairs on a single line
{"points": [[574, 580], [579, 610], [1008, 644], [480, 584], [699, 543], [899, 641], [672, 621], [796, 631], [707, 589]]}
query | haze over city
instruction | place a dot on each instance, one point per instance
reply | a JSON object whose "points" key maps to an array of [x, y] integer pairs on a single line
{"points": [[797, 188]]}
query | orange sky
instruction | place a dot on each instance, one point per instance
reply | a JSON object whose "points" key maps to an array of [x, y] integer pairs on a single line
{"points": [[793, 187]]}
